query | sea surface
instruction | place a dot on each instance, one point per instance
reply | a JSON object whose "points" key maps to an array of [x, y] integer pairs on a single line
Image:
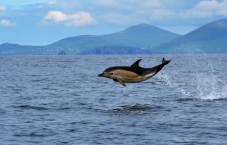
{"points": [[59, 100]]}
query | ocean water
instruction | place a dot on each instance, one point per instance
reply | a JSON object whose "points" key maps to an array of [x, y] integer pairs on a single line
{"points": [[59, 100]]}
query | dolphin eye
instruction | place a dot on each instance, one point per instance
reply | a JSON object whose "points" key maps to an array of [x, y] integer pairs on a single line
{"points": [[110, 73]]}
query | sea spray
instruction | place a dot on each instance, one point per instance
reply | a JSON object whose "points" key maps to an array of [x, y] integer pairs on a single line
{"points": [[208, 85], [175, 85], [206, 82]]}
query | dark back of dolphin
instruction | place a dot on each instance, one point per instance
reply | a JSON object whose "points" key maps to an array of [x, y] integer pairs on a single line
{"points": [[140, 70], [133, 73], [157, 68]]}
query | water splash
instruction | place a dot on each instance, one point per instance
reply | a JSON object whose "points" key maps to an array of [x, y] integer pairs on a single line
{"points": [[173, 84], [205, 82], [209, 87]]}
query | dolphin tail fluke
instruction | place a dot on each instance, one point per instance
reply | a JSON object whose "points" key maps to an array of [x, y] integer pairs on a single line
{"points": [[165, 62]]}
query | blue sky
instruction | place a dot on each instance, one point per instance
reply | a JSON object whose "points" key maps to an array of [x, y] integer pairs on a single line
{"points": [[40, 22]]}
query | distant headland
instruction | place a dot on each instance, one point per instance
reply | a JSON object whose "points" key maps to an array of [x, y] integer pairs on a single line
{"points": [[137, 39]]}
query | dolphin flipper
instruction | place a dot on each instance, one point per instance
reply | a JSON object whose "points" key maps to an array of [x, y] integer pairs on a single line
{"points": [[121, 82]]}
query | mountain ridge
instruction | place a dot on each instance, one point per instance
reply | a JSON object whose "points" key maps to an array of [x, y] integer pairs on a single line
{"points": [[209, 38], [129, 37], [137, 39]]}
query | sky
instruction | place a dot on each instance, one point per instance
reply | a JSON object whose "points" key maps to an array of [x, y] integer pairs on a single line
{"points": [[41, 22]]}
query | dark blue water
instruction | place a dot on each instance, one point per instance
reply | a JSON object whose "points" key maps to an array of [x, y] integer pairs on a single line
{"points": [[56, 100]]}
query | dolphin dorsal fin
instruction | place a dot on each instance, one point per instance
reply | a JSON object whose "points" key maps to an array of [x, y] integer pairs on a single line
{"points": [[136, 64]]}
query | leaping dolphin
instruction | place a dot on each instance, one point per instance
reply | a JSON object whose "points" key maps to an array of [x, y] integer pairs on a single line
{"points": [[133, 73]]}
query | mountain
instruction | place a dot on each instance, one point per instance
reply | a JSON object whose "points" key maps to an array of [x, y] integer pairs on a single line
{"points": [[210, 38], [142, 36], [116, 50], [15, 49], [138, 39]]}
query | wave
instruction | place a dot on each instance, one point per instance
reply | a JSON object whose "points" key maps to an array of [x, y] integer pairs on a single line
{"points": [[2, 111], [31, 107], [44, 132], [137, 108]]}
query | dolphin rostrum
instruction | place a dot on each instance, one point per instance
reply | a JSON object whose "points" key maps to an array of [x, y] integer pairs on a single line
{"points": [[133, 73]]}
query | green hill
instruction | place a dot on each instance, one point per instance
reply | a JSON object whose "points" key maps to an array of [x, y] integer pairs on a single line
{"points": [[15, 49], [141, 36], [117, 50], [210, 38], [138, 39]]}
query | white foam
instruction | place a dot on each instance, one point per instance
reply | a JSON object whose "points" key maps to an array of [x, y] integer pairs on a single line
{"points": [[204, 85], [215, 94], [209, 86], [175, 85]]}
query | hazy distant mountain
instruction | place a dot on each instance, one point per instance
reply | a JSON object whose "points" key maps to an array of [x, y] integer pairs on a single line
{"points": [[138, 39], [210, 38], [15, 49], [141, 36], [117, 50]]}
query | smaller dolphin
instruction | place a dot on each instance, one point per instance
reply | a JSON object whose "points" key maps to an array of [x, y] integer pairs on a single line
{"points": [[133, 73]]}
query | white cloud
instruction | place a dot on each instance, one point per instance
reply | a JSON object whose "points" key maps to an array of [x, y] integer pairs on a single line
{"points": [[2, 8], [65, 5], [106, 2], [52, 2], [160, 14], [208, 8], [118, 19], [222, 12], [158, 11], [76, 19], [6, 23], [151, 4], [56, 16]]}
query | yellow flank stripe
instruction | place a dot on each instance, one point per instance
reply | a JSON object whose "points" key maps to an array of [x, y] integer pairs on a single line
{"points": [[124, 73], [128, 76]]}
